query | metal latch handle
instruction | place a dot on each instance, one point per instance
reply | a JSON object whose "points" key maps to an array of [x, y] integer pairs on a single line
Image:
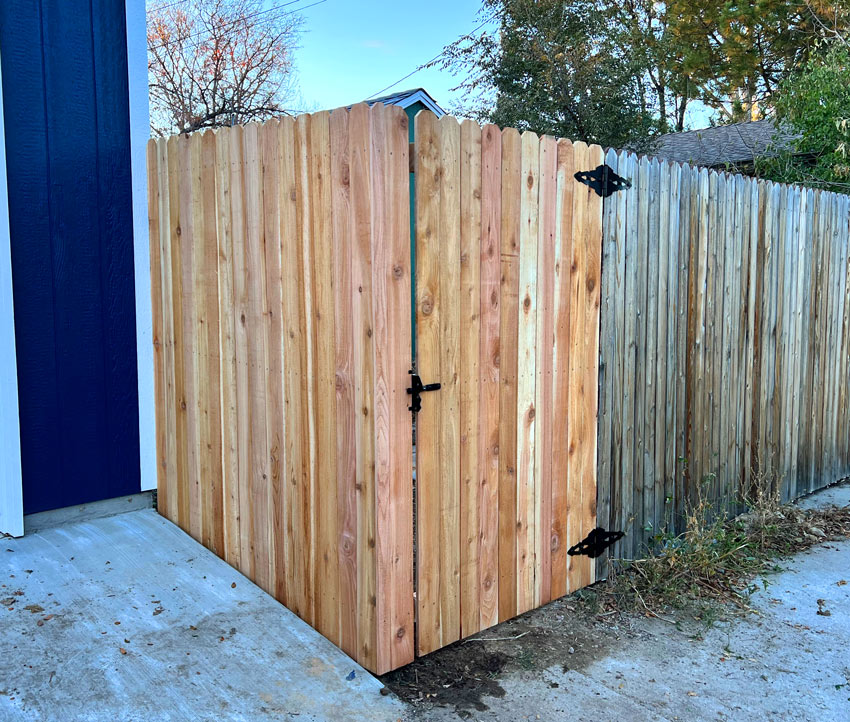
{"points": [[416, 391]]}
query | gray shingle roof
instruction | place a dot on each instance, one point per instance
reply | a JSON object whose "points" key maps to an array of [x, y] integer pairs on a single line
{"points": [[732, 144]]}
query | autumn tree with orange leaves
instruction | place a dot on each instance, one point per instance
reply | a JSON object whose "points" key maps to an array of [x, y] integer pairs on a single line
{"points": [[219, 62]]}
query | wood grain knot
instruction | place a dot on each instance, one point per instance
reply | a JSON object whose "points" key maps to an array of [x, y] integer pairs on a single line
{"points": [[591, 284], [179, 231], [530, 180], [427, 306], [400, 633], [398, 271]]}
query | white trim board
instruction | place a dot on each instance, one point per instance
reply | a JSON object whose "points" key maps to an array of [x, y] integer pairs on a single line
{"points": [[11, 485], [137, 71], [421, 96]]}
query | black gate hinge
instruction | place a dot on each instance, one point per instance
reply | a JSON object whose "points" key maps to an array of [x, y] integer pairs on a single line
{"points": [[603, 180], [416, 391], [595, 543]]}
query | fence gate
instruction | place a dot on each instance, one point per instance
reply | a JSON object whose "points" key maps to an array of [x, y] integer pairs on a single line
{"points": [[508, 250]]}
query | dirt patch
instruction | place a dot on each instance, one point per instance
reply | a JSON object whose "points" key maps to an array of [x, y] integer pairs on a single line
{"points": [[563, 635]]}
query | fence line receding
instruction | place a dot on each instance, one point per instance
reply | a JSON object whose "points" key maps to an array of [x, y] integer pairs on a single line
{"points": [[724, 343]]}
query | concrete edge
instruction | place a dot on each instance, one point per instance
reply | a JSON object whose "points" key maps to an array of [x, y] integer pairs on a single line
{"points": [[86, 512]]}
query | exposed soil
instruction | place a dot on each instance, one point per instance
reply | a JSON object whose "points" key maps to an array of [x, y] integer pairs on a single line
{"points": [[564, 634], [571, 633]]}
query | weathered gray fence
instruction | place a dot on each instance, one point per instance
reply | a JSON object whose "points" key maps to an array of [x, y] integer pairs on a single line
{"points": [[724, 343]]}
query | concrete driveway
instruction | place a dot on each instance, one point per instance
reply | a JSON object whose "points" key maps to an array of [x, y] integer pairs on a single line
{"points": [[128, 618]]}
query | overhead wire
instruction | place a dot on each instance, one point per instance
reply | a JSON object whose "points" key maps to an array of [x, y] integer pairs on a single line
{"points": [[235, 22]]}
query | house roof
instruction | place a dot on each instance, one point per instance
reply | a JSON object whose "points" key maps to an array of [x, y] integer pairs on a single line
{"points": [[722, 144], [406, 98]]}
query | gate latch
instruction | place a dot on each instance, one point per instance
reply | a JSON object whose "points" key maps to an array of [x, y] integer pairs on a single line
{"points": [[603, 180], [595, 543], [416, 391]]}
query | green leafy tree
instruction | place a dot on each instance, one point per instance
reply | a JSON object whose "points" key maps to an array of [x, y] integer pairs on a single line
{"points": [[813, 106], [553, 67], [644, 29]]}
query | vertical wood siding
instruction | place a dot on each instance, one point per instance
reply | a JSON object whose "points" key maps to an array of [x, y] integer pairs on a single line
{"points": [[67, 138]]}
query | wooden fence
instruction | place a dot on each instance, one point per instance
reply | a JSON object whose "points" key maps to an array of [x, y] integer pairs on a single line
{"points": [[508, 249], [282, 333], [725, 342], [281, 298]]}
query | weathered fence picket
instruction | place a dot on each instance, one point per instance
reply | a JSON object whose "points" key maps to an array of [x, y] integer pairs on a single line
{"points": [[725, 345]]}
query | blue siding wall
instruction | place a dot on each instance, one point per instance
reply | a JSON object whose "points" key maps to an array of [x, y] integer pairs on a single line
{"points": [[68, 167]]}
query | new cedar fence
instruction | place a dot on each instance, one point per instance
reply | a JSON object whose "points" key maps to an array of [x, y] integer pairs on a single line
{"points": [[281, 293], [725, 343], [282, 327]]}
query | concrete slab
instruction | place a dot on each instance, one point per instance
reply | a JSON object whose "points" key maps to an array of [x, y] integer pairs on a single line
{"points": [[87, 512], [128, 618]]}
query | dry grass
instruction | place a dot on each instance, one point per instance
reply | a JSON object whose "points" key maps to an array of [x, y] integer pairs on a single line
{"points": [[717, 561]]}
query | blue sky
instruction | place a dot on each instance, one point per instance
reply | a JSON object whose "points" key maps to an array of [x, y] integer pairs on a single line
{"points": [[350, 50]]}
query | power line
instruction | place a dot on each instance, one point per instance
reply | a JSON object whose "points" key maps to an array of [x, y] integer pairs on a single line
{"points": [[233, 23], [165, 7], [426, 63]]}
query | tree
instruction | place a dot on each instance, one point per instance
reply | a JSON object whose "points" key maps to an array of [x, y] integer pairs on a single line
{"points": [[737, 53], [218, 62], [644, 28], [552, 67], [813, 105], [620, 71]]}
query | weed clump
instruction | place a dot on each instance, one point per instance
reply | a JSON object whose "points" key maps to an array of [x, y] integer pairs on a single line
{"points": [[717, 560]]}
